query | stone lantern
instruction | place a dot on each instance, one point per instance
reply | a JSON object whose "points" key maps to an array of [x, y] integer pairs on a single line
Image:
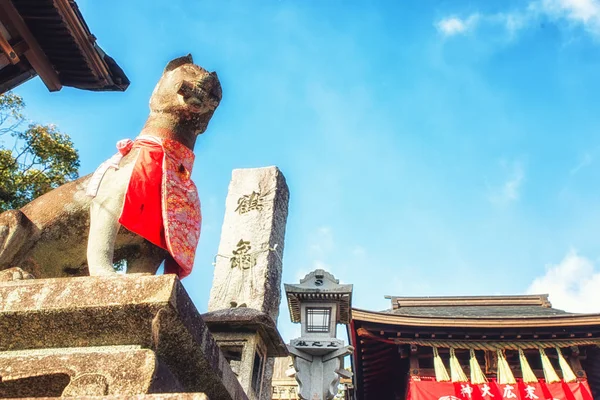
{"points": [[319, 303]]}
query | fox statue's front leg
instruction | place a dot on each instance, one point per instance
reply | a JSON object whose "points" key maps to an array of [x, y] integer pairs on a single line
{"points": [[105, 210]]}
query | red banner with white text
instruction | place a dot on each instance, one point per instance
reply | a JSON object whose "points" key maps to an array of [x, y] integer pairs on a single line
{"points": [[429, 389]]}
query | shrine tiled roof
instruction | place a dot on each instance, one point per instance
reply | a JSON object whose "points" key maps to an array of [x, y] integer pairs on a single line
{"points": [[525, 306], [478, 311]]}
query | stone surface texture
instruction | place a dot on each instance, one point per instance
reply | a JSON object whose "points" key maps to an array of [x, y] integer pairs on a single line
{"points": [[250, 344], [234, 320], [317, 379], [249, 263], [162, 396], [41, 318], [102, 371]]}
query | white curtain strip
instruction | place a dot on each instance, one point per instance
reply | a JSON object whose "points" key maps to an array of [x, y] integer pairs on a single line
{"points": [[567, 372], [441, 375], [528, 375], [456, 372], [477, 375], [505, 375], [549, 373]]}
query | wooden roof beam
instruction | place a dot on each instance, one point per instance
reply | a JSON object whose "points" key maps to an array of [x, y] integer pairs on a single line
{"points": [[377, 355], [35, 55], [8, 50]]}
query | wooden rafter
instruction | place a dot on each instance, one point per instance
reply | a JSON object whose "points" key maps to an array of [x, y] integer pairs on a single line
{"points": [[34, 53], [84, 42], [12, 56]]}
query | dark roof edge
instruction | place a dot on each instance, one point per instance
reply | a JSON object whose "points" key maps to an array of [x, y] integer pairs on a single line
{"points": [[540, 300], [434, 321]]}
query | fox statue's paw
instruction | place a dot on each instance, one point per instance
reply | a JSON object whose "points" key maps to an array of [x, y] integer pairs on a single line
{"points": [[14, 274]]}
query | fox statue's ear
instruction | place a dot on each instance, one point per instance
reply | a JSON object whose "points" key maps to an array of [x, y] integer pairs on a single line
{"points": [[177, 62]]}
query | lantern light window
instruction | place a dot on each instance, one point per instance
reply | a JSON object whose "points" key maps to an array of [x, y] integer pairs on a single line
{"points": [[318, 319]]}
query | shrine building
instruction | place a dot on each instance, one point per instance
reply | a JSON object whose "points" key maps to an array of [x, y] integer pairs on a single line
{"points": [[475, 348]]}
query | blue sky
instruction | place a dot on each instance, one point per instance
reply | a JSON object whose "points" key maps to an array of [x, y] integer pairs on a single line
{"points": [[431, 148]]}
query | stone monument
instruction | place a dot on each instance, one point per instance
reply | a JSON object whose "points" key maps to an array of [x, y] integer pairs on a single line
{"points": [[245, 295], [319, 303], [249, 262]]}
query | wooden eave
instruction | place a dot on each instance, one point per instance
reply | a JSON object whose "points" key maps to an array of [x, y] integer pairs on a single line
{"points": [[562, 320], [51, 39]]}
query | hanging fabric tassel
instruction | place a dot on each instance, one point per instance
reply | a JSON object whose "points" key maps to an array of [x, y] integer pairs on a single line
{"points": [[441, 375], [456, 372], [549, 372], [477, 375], [567, 372], [528, 375], [505, 375]]}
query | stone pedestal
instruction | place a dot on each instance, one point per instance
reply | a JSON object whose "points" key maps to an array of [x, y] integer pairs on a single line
{"points": [[249, 340], [318, 376], [125, 335]]}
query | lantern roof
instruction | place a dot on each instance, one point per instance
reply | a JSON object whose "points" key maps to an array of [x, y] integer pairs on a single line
{"points": [[320, 286]]}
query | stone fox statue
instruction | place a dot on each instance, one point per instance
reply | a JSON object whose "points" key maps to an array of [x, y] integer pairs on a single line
{"points": [[145, 188]]}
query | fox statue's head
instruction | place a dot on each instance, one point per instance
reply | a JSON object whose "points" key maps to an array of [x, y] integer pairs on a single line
{"points": [[188, 93]]}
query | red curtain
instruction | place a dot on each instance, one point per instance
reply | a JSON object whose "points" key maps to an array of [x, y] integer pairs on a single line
{"points": [[429, 389]]}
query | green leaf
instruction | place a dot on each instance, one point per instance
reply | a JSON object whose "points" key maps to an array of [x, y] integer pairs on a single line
{"points": [[40, 159]]}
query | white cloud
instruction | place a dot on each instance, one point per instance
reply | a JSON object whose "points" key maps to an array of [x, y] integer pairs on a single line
{"points": [[572, 284], [321, 241], [584, 161], [510, 190], [584, 13], [359, 251], [513, 22], [320, 247], [453, 25]]}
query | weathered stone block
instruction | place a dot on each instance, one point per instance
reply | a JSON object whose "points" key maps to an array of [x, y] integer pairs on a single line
{"points": [[72, 372], [150, 312]]}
